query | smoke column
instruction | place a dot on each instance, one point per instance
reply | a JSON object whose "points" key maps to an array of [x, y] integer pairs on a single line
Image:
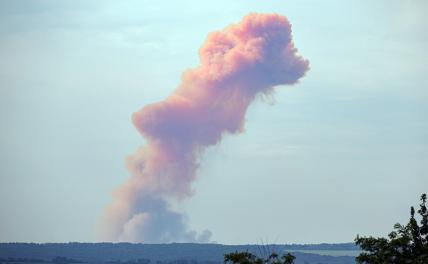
{"points": [[237, 64]]}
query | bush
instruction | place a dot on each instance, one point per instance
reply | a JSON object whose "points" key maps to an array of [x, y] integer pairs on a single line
{"points": [[249, 258]]}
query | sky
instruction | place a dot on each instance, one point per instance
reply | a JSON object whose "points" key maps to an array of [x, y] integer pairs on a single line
{"points": [[341, 153]]}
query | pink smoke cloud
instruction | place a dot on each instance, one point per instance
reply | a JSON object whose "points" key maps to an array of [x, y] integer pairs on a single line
{"points": [[237, 64]]}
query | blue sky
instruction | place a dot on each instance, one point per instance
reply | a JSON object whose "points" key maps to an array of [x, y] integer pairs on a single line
{"points": [[343, 152]]}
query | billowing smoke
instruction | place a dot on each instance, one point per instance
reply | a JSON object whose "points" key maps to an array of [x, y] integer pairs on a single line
{"points": [[237, 65]]}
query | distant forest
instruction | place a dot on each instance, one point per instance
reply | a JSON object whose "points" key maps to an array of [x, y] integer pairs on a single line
{"points": [[175, 253]]}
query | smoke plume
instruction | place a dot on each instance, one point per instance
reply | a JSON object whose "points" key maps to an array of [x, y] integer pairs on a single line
{"points": [[237, 64]]}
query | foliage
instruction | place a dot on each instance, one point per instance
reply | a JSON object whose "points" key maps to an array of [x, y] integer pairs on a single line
{"points": [[407, 244], [249, 258]]}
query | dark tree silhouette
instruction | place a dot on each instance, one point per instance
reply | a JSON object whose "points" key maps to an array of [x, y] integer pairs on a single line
{"points": [[249, 258], [407, 244]]}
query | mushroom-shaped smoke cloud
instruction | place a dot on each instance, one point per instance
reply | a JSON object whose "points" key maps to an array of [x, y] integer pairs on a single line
{"points": [[236, 65]]}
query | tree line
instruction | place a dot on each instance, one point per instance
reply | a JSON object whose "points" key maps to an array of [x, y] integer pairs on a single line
{"points": [[405, 244]]}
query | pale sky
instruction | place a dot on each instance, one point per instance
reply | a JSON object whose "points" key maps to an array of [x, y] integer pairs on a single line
{"points": [[344, 152]]}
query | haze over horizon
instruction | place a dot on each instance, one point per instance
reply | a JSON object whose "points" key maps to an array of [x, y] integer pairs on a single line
{"points": [[342, 153]]}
